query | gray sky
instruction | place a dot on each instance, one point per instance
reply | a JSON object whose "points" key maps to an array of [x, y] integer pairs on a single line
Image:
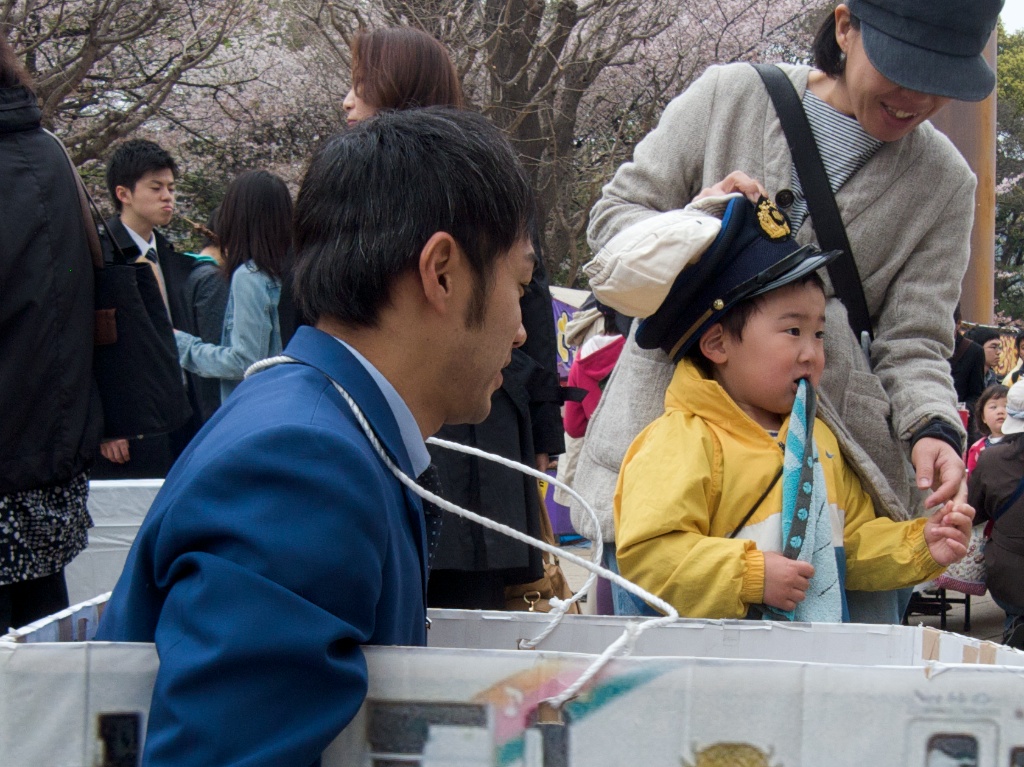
{"points": [[1013, 15]]}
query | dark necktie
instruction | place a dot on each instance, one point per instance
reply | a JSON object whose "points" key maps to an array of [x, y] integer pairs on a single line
{"points": [[432, 515]]}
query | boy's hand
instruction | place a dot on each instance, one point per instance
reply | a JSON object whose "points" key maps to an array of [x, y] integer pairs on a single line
{"points": [[785, 580], [947, 532]]}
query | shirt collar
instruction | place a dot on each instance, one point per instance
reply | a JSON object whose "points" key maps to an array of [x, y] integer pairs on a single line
{"points": [[144, 246], [407, 426]]}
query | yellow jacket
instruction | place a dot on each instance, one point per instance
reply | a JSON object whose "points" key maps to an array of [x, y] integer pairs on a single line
{"points": [[1008, 378], [690, 477]]}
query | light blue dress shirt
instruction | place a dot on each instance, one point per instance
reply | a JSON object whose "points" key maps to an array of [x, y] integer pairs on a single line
{"points": [[407, 426]]}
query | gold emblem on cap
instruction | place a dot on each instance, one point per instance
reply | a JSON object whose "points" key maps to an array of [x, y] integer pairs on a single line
{"points": [[772, 221], [718, 305]]}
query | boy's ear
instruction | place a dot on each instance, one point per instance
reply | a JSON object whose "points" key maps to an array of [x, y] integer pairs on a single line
{"points": [[712, 344], [124, 195]]}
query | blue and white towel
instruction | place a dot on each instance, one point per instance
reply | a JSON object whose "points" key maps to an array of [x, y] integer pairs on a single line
{"points": [[806, 520]]}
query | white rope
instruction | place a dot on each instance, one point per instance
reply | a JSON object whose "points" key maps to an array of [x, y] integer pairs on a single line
{"points": [[269, 362], [561, 606], [623, 645]]}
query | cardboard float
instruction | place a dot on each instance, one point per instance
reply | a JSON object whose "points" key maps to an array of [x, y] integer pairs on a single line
{"points": [[696, 693], [693, 694]]}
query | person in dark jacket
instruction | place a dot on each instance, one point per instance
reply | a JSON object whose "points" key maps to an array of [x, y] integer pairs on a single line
{"points": [[404, 68], [473, 565], [967, 366], [206, 297], [996, 491], [991, 341], [50, 414], [141, 179]]}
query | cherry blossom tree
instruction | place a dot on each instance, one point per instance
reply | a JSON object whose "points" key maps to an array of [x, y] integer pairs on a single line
{"points": [[103, 68], [228, 85], [575, 83]]}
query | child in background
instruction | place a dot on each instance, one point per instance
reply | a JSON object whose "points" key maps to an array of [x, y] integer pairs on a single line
{"points": [[969, 575], [701, 517], [990, 413], [997, 487], [590, 370]]}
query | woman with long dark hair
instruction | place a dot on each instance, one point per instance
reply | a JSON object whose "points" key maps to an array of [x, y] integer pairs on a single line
{"points": [[404, 68], [392, 68], [50, 416], [256, 242]]}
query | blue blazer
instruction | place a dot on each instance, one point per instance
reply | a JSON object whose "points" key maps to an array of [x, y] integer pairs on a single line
{"points": [[279, 544]]}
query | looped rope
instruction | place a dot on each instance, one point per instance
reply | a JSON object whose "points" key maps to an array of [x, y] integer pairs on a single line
{"points": [[623, 645]]}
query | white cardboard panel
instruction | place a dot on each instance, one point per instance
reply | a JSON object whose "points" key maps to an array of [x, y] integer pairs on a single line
{"points": [[849, 644], [117, 508], [654, 712]]}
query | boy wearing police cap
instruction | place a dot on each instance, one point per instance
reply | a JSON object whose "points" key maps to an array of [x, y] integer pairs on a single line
{"points": [[737, 501]]}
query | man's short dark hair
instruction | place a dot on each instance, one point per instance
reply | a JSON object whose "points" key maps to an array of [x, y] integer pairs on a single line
{"points": [[131, 161], [981, 335], [372, 198], [736, 319]]}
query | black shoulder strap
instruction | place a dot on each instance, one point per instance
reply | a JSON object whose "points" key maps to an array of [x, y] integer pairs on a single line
{"points": [[821, 202], [758, 502]]}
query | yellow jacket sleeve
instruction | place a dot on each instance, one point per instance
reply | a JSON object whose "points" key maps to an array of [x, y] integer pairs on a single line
{"points": [[880, 554], [668, 488]]}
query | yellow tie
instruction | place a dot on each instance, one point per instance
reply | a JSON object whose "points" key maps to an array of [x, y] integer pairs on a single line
{"points": [[150, 258]]}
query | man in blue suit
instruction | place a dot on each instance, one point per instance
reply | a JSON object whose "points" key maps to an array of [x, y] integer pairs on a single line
{"points": [[281, 541]]}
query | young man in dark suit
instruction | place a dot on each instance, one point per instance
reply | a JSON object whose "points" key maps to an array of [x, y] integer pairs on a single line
{"points": [[141, 179], [282, 540]]}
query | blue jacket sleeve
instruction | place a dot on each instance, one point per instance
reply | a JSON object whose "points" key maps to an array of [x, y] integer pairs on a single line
{"points": [[270, 559]]}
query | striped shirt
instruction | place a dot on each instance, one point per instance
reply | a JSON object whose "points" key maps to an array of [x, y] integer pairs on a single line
{"points": [[844, 147]]}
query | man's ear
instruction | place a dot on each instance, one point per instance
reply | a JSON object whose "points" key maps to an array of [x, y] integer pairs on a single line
{"points": [[440, 261], [123, 194], [712, 344]]}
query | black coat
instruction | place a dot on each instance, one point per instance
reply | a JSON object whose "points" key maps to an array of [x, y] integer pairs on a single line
{"points": [[525, 419], [50, 415], [176, 269], [206, 296], [967, 366]]}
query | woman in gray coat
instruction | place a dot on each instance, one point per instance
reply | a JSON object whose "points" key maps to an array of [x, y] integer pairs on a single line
{"points": [[906, 197]]}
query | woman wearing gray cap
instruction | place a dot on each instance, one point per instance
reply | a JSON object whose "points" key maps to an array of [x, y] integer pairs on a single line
{"points": [[906, 198]]}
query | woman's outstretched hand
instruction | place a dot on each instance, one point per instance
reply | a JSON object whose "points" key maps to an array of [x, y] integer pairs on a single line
{"points": [[737, 181], [939, 467]]}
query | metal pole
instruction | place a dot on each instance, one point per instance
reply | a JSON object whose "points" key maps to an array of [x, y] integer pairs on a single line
{"points": [[971, 126]]}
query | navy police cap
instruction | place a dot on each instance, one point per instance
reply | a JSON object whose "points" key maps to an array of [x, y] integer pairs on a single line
{"points": [[753, 253]]}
